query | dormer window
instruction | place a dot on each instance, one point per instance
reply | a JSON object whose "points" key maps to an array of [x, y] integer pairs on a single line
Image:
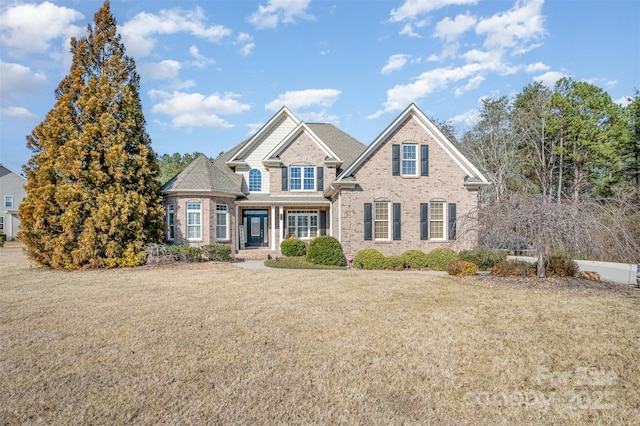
{"points": [[255, 180]]}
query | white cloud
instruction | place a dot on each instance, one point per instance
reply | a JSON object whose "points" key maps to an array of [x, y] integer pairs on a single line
{"points": [[276, 11], [19, 112], [395, 63], [189, 110], [30, 28], [318, 117], [200, 61], [245, 41], [16, 79], [550, 78], [538, 66], [467, 119], [450, 29], [413, 8], [623, 101], [408, 31], [473, 83], [514, 28], [426, 83], [304, 98], [137, 34], [165, 70]]}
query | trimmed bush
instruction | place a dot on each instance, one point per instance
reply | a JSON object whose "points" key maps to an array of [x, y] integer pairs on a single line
{"points": [[325, 250], [438, 259], [293, 247], [183, 253], [414, 259], [217, 252], [368, 259], [514, 268], [560, 267], [461, 267], [590, 275], [483, 257], [394, 263]]}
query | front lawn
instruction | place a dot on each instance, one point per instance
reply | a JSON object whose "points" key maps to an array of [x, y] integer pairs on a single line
{"points": [[211, 343]]}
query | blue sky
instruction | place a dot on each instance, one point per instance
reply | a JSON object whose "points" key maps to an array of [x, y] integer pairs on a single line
{"points": [[212, 72]]}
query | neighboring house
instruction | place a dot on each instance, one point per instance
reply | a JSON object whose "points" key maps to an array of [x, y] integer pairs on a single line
{"points": [[407, 190], [11, 194]]}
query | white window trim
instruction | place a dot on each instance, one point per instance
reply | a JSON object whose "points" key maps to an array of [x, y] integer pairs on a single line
{"points": [[309, 214], [171, 222], [197, 227], [444, 219], [302, 169], [375, 220], [414, 160], [8, 200], [220, 211]]}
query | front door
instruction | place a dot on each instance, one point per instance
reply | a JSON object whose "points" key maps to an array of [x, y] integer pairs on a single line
{"points": [[256, 227]]}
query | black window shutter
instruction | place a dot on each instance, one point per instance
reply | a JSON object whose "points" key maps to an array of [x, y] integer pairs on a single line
{"points": [[452, 221], [424, 160], [319, 177], [285, 177], [395, 160], [367, 221], [397, 235], [323, 222], [424, 221]]}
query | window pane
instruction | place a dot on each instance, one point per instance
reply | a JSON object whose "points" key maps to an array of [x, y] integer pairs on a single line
{"points": [[221, 222], [409, 160], [296, 179], [381, 220], [436, 222], [255, 180], [193, 221], [309, 178]]}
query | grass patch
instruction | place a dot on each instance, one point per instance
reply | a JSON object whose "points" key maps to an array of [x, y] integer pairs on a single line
{"points": [[211, 343], [297, 262]]}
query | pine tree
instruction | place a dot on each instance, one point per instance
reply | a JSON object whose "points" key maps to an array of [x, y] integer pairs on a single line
{"points": [[92, 196]]}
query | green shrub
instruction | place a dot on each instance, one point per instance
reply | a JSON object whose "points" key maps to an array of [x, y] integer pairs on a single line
{"points": [[368, 259], [437, 259], [461, 267], [560, 267], [394, 263], [514, 268], [299, 262], [325, 250], [414, 259], [483, 257], [217, 252], [184, 253], [2, 238], [293, 247]]}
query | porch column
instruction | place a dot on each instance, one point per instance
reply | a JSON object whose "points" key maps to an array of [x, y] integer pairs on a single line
{"points": [[272, 226], [281, 223]]}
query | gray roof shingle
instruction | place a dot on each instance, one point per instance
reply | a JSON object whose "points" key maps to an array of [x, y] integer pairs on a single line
{"points": [[345, 146], [203, 175]]}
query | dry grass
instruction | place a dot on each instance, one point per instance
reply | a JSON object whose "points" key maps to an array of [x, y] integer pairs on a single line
{"points": [[213, 343]]}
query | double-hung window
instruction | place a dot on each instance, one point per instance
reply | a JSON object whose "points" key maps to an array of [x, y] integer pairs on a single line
{"points": [[222, 222], [302, 223], [409, 160], [194, 221], [171, 225], [302, 178], [8, 200], [1, 223], [436, 220], [381, 220]]}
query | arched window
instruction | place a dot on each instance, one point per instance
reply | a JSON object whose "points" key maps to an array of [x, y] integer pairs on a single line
{"points": [[255, 180]]}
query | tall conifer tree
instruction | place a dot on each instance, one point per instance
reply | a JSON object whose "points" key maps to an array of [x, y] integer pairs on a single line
{"points": [[92, 195]]}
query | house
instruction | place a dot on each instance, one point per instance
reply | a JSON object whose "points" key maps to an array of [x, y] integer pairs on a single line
{"points": [[12, 192], [407, 190]]}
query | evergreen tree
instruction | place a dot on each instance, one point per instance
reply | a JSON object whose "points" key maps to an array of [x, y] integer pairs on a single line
{"points": [[92, 196]]}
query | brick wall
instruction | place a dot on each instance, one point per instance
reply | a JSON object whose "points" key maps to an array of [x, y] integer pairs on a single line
{"points": [[444, 183]]}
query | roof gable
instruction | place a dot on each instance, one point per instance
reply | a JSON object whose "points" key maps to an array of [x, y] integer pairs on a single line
{"points": [[203, 175], [240, 151], [474, 175], [273, 156]]}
